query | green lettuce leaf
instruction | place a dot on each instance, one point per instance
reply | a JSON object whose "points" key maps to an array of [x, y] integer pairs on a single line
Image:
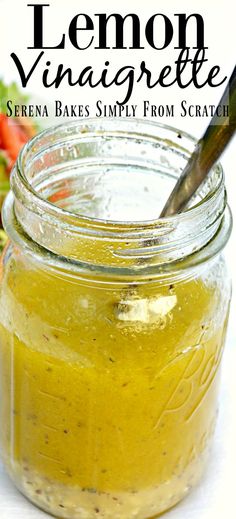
{"points": [[12, 92]]}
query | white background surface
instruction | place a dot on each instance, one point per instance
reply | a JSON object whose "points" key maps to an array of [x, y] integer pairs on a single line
{"points": [[214, 498]]}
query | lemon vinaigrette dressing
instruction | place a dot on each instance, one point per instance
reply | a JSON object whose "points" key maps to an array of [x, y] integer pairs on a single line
{"points": [[112, 322]]}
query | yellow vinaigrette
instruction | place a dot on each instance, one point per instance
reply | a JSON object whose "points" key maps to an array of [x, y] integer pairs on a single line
{"points": [[108, 394]]}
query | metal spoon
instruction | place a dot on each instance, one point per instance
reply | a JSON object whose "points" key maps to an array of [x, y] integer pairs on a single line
{"points": [[207, 151]]}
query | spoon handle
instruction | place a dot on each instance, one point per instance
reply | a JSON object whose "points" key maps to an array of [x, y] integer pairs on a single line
{"points": [[206, 153]]}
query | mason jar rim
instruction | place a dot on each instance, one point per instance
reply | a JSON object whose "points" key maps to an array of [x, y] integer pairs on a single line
{"points": [[81, 123], [214, 204]]}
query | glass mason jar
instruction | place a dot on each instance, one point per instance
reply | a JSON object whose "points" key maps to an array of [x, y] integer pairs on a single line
{"points": [[113, 321]]}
